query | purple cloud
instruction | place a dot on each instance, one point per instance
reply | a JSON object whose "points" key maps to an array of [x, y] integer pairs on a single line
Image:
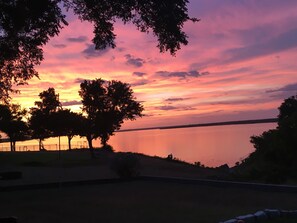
{"points": [[79, 39], [70, 103], [176, 108], [175, 99], [140, 83], [91, 52], [289, 87], [135, 62], [139, 74], [61, 46], [182, 74], [284, 41]]}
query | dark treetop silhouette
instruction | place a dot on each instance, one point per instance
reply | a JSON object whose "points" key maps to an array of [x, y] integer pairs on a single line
{"points": [[276, 150], [40, 120], [107, 104], [65, 123], [27, 25], [12, 124]]}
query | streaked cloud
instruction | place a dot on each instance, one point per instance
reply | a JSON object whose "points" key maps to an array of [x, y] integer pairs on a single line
{"points": [[175, 99], [140, 83], [60, 46], [289, 87], [79, 39], [71, 103], [91, 52], [283, 92], [180, 74], [176, 108], [167, 108], [133, 61], [139, 74], [284, 41]]}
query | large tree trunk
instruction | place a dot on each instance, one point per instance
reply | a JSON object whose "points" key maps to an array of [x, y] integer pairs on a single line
{"points": [[12, 146], [89, 138], [69, 141], [104, 140], [41, 147]]}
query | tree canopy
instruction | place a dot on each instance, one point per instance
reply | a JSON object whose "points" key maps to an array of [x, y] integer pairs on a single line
{"points": [[40, 120], [27, 25], [107, 104], [276, 150], [11, 123]]}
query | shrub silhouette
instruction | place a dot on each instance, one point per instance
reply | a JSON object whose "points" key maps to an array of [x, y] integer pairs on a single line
{"points": [[126, 165], [276, 150]]}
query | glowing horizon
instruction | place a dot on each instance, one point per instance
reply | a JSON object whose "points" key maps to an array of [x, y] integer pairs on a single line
{"points": [[239, 64]]}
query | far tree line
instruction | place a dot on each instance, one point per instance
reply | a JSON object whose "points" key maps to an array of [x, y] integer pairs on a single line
{"points": [[105, 106]]}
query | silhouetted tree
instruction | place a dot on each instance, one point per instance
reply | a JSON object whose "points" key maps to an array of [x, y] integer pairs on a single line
{"points": [[27, 25], [40, 121], [287, 118], [38, 124], [107, 104], [11, 123], [276, 149], [65, 123], [49, 101], [87, 129]]}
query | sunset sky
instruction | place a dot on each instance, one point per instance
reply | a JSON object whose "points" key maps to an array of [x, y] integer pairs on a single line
{"points": [[240, 63]]}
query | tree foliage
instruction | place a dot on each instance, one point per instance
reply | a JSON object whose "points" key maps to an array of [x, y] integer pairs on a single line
{"points": [[65, 123], [40, 121], [107, 104], [49, 101], [12, 123], [27, 25], [276, 149]]}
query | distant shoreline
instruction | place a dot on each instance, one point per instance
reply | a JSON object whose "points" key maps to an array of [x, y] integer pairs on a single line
{"points": [[242, 122]]}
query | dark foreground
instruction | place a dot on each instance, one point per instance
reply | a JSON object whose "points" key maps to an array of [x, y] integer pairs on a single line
{"points": [[142, 201], [136, 201]]}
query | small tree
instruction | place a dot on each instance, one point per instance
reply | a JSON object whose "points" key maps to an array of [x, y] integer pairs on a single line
{"points": [[49, 101], [65, 123], [39, 121], [11, 123], [87, 129], [38, 124], [107, 104]]}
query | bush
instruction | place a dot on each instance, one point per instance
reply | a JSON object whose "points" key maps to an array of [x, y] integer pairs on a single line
{"points": [[199, 164], [126, 165], [107, 148]]}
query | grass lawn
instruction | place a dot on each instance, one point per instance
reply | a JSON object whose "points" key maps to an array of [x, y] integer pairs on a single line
{"points": [[139, 202], [48, 158]]}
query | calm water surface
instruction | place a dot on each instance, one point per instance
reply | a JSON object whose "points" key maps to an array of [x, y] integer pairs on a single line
{"points": [[212, 146]]}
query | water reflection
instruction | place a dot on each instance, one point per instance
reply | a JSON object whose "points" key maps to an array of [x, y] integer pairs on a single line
{"points": [[211, 146]]}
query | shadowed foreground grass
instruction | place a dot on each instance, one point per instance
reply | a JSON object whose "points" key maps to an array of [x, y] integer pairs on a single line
{"points": [[139, 202]]}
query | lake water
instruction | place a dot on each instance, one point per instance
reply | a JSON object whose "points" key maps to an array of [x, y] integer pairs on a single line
{"points": [[212, 146]]}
